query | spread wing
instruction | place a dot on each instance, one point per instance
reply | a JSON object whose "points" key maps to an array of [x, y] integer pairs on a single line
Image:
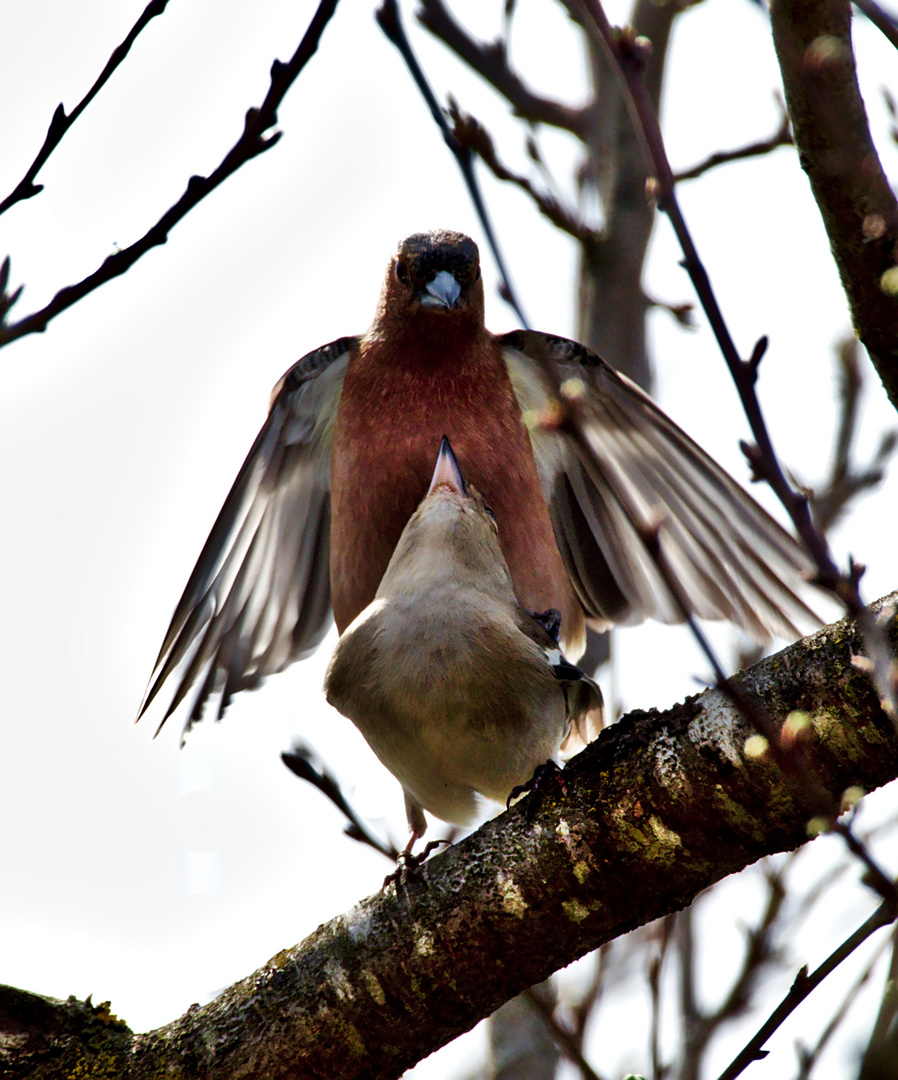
{"points": [[259, 596], [731, 559]]}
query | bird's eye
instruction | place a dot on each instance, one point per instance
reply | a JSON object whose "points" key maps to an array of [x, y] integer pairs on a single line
{"points": [[402, 272]]}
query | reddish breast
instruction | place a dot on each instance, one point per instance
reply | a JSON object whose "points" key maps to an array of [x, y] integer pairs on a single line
{"points": [[398, 400]]}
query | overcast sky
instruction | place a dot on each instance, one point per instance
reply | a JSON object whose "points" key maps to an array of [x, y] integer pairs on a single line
{"points": [[153, 877]]}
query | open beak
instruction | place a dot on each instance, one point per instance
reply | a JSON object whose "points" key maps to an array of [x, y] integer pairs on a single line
{"points": [[447, 473]]}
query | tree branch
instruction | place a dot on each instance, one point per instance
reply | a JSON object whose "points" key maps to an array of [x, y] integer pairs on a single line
{"points": [[781, 137], [253, 141], [858, 207], [389, 20], [801, 988], [658, 808], [471, 134], [61, 122], [490, 61]]}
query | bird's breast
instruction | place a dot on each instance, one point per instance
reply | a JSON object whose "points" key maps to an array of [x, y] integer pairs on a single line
{"points": [[394, 409]]}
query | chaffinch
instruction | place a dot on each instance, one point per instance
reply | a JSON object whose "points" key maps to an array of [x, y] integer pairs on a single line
{"points": [[345, 457], [458, 689]]}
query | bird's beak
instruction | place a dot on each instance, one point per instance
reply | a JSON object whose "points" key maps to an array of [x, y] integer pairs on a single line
{"points": [[447, 473], [441, 291]]}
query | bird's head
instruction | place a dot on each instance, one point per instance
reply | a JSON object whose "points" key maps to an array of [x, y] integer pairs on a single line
{"points": [[451, 537], [434, 278]]}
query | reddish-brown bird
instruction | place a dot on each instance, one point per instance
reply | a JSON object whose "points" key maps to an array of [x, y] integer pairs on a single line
{"points": [[346, 456]]}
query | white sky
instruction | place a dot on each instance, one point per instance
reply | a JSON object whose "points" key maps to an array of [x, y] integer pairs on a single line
{"points": [[150, 876]]}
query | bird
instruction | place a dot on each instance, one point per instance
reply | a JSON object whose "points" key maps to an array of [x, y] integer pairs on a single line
{"points": [[573, 458], [460, 691]]}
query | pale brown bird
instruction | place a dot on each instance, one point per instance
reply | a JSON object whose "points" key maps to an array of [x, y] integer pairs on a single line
{"points": [[346, 454], [457, 688]]}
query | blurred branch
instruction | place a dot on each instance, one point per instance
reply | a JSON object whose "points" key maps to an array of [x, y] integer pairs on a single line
{"points": [[253, 141], [836, 150], [668, 929], [299, 760], [388, 19], [656, 809], [61, 121], [700, 1025], [473, 136], [880, 1059], [490, 61], [781, 137], [566, 1040], [803, 985], [881, 19], [830, 500]]}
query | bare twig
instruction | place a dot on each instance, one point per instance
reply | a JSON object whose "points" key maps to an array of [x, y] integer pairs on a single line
{"points": [[808, 1056], [62, 121], [388, 19], [299, 760], [254, 140], [630, 54], [830, 500], [471, 134], [781, 137], [803, 985], [491, 62]]}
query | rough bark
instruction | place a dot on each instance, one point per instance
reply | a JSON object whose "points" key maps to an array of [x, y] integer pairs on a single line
{"points": [[661, 806], [859, 211]]}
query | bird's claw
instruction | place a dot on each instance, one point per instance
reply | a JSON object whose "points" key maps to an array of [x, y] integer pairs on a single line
{"points": [[544, 775], [407, 863]]}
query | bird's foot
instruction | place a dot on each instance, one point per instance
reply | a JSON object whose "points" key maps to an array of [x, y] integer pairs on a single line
{"points": [[409, 864], [537, 786]]}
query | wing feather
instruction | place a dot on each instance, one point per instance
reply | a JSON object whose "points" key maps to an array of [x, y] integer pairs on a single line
{"points": [[730, 558], [259, 596]]}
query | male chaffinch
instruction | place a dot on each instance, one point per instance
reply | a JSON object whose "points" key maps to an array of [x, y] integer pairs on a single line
{"points": [[458, 689], [345, 457]]}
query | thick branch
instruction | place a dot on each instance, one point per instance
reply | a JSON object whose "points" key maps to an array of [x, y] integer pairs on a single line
{"points": [[829, 123], [659, 807]]}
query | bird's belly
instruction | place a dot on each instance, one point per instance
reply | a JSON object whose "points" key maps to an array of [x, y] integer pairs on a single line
{"points": [[449, 740]]}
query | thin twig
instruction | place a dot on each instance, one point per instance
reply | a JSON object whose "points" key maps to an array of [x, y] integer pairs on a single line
{"points": [[388, 19], [831, 497], [471, 134], [253, 141], [803, 985], [781, 137], [630, 54], [808, 1056], [62, 121], [299, 760], [490, 61]]}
